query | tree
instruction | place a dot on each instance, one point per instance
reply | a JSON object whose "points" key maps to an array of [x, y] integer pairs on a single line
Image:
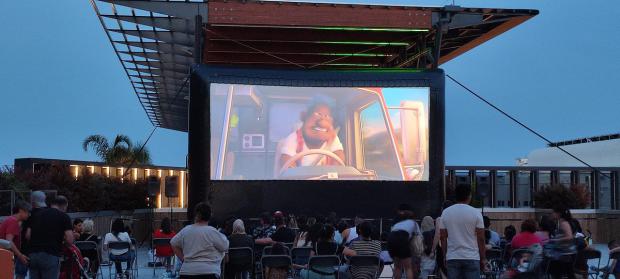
{"points": [[122, 150]]}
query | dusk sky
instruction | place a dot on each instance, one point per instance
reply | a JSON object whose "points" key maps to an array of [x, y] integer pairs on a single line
{"points": [[557, 72]]}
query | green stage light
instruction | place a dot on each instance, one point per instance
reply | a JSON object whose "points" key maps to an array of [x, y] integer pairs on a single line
{"points": [[371, 29]]}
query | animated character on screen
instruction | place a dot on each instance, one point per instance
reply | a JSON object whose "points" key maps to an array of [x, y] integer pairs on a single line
{"points": [[316, 142]]}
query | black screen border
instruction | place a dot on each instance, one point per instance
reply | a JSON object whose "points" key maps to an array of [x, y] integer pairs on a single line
{"points": [[247, 198]]}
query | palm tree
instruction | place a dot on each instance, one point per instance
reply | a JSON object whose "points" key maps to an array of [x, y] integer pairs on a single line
{"points": [[122, 150]]}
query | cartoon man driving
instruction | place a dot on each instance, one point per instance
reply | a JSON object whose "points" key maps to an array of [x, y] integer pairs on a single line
{"points": [[316, 132]]}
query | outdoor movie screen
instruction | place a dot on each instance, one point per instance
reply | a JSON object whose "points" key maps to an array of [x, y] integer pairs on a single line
{"points": [[313, 133]]}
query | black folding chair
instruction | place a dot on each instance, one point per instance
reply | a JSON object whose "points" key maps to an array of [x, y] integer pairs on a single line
{"points": [[607, 270], [88, 248], [240, 260], [301, 255], [122, 245], [588, 254], [159, 242], [366, 262], [496, 263], [267, 250], [134, 247], [324, 265], [275, 261]]}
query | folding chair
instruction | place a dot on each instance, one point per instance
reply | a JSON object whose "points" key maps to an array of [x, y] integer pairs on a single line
{"points": [[364, 262], [494, 258], [159, 242], [6, 264], [301, 255], [121, 245], [134, 247], [240, 260], [386, 259], [267, 250], [588, 254], [608, 270], [275, 261], [87, 248], [324, 265]]}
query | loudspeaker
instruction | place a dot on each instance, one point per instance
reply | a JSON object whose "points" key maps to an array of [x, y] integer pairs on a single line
{"points": [[172, 186], [153, 186], [483, 186]]}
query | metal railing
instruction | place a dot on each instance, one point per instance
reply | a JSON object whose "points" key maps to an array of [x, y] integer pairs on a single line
{"points": [[515, 187]]}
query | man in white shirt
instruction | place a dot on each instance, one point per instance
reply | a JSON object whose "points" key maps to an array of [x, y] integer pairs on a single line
{"points": [[462, 237], [316, 132]]}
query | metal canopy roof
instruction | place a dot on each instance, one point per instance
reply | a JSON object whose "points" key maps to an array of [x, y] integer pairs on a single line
{"points": [[154, 40]]}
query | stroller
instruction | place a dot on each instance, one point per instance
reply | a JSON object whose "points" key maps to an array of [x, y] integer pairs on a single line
{"points": [[73, 265]]}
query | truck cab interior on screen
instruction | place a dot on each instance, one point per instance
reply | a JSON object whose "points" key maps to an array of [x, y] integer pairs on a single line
{"points": [[312, 133]]}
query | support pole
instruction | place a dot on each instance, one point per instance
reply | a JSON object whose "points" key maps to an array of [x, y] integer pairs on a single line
{"points": [[198, 133]]}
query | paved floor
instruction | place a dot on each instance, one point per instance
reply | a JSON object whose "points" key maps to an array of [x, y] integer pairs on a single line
{"points": [[145, 272]]}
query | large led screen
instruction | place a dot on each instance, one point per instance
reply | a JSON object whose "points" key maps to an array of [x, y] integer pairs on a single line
{"points": [[316, 133]]}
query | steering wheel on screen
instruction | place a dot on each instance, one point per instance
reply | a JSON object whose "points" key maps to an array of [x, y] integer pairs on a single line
{"points": [[302, 154]]}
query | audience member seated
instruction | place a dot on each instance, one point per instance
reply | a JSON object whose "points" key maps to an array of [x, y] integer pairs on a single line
{"points": [[165, 251], [546, 226], [265, 229], [350, 234], [77, 228], [526, 237], [302, 239], [312, 236], [238, 239], [200, 247], [119, 234], [332, 219], [509, 232], [326, 244], [364, 246], [494, 239], [282, 233], [87, 234]]}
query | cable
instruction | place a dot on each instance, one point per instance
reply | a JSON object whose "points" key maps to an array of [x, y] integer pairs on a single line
{"points": [[133, 160], [524, 126]]}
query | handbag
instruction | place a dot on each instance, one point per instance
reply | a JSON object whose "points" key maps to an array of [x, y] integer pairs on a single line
{"points": [[416, 244]]}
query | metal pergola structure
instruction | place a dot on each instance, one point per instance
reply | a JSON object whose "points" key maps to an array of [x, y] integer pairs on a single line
{"points": [[157, 41]]}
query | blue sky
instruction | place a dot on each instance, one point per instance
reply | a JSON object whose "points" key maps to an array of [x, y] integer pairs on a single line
{"points": [[60, 82]]}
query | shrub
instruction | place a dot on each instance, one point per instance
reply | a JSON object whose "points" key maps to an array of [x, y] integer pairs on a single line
{"points": [[575, 196], [87, 193]]}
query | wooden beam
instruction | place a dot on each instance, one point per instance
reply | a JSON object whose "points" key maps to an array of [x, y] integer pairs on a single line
{"points": [[484, 37], [314, 14]]}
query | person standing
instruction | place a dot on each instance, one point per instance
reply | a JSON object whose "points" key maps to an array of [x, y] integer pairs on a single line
{"points": [[462, 237], [49, 228], [200, 247], [399, 239], [37, 202], [10, 230]]}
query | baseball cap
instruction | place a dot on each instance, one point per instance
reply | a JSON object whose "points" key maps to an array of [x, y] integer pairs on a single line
{"points": [[37, 198]]}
